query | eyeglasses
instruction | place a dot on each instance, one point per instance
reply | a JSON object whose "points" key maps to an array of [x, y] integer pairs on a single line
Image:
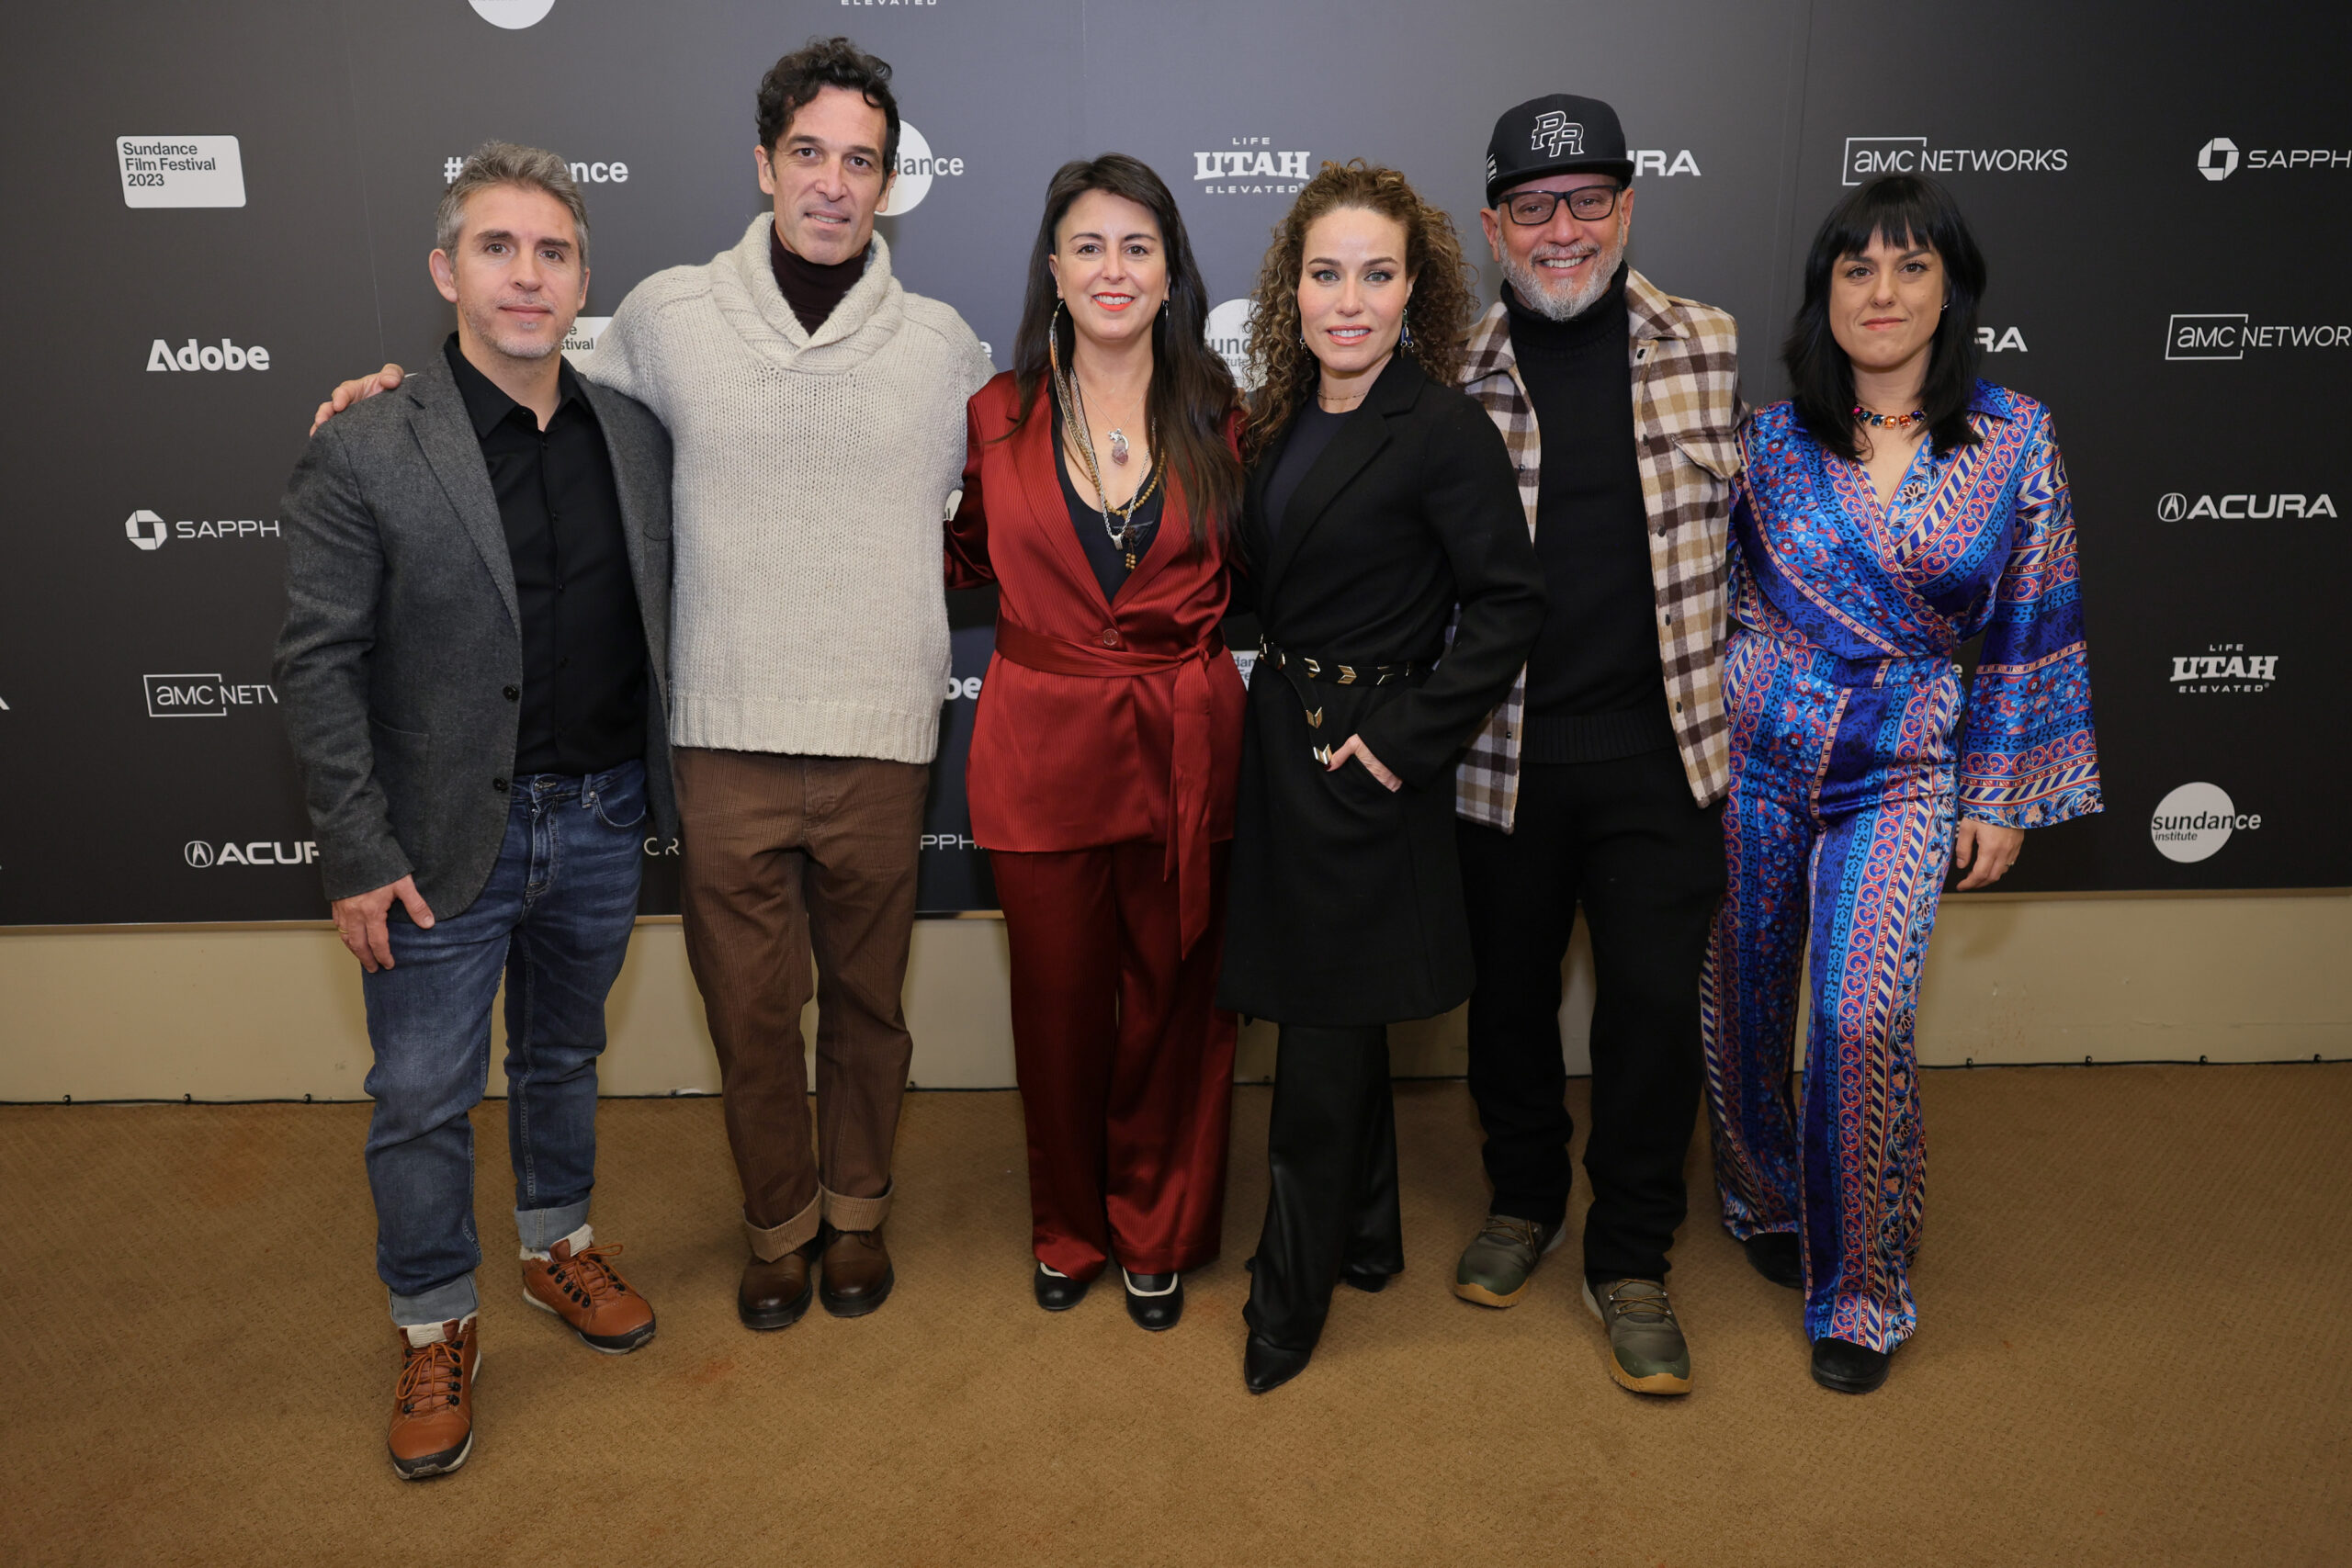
{"points": [[1586, 203]]}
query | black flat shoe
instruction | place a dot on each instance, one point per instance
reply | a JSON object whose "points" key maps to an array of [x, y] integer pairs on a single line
{"points": [[1369, 1283], [1847, 1367], [1154, 1301], [1058, 1293], [1777, 1256], [1266, 1365]]}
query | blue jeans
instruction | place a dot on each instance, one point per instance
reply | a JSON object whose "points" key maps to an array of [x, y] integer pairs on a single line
{"points": [[555, 918]]}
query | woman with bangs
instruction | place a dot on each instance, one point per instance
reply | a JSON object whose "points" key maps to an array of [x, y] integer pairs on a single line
{"points": [[1895, 507], [1382, 509]]}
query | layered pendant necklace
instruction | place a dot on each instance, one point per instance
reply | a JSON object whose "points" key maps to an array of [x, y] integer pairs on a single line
{"points": [[1072, 403]]}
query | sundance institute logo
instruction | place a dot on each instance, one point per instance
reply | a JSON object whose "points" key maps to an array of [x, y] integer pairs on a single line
{"points": [[918, 166], [1227, 330], [513, 15], [2193, 821]]}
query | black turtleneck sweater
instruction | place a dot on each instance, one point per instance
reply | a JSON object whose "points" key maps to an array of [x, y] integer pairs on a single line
{"points": [[1595, 690], [811, 289]]}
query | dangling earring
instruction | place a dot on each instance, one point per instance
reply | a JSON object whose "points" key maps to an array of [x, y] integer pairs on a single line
{"points": [[1405, 338]]}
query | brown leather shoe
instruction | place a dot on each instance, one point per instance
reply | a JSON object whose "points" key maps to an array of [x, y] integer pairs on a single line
{"points": [[583, 1289], [775, 1293], [857, 1274], [432, 1404]]}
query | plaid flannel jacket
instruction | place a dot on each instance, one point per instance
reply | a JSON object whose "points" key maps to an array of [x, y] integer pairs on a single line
{"points": [[1685, 362]]}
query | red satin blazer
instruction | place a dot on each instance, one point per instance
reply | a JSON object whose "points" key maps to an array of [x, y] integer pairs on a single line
{"points": [[1098, 723]]}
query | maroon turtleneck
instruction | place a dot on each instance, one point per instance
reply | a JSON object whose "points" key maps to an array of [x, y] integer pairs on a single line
{"points": [[811, 289]]}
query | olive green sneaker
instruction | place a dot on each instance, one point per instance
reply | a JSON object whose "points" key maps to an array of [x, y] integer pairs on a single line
{"points": [[1646, 1351], [1497, 1264]]}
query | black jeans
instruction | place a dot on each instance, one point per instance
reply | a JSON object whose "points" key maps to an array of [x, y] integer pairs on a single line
{"points": [[1331, 1204], [1625, 840]]}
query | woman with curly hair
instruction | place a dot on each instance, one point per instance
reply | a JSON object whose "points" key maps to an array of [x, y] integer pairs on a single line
{"points": [[1382, 508]]}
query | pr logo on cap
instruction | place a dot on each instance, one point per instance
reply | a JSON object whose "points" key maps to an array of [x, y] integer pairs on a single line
{"points": [[1556, 134]]}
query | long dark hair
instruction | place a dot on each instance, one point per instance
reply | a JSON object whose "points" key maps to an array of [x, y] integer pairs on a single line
{"points": [[1192, 392], [1438, 316], [1902, 209]]}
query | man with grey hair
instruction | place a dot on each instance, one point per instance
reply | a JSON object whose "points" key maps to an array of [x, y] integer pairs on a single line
{"points": [[1600, 781], [818, 407], [474, 674]]}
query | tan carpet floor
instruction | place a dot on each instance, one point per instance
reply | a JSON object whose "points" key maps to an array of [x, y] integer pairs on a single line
{"points": [[2136, 1291]]}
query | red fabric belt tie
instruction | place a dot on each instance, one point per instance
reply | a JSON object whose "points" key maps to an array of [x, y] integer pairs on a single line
{"points": [[1188, 785]]}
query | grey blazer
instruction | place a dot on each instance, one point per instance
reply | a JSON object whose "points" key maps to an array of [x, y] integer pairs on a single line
{"points": [[402, 646]]}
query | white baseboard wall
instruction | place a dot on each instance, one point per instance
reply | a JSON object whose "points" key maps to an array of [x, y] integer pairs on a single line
{"points": [[273, 1012]]}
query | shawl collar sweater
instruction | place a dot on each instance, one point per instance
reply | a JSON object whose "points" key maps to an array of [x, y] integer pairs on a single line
{"points": [[813, 473]]}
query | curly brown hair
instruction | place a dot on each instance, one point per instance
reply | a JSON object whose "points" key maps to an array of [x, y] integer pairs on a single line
{"points": [[1443, 304]]}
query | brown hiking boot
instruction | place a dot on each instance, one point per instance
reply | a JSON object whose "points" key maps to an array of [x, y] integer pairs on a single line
{"points": [[583, 1289], [432, 1404]]}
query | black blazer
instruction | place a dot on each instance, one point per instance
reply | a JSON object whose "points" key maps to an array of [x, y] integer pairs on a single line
{"points": [[403, 637], [1346, 903]]}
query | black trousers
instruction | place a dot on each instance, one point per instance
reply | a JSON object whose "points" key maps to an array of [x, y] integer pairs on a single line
{"points": [[1624, 839], [1331, 1205]]}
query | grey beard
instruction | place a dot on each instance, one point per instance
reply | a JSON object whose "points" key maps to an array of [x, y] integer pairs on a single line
{"points": [[1528, 284]]}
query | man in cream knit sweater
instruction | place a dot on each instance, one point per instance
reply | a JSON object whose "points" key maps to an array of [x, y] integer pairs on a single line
{"points": [[814, 462], [816, 413]]}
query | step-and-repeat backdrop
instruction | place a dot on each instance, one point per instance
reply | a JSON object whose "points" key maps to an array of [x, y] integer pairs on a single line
{"points": [[218, 211]]}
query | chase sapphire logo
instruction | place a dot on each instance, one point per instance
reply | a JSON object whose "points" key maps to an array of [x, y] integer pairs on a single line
{"points": [[2218, 159]]}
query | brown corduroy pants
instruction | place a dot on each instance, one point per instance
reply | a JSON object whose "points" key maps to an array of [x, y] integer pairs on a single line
{"points": [[787, 858]]}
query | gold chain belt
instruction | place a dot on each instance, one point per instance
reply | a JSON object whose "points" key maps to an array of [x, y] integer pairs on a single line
{"points": [[1300, 668]]}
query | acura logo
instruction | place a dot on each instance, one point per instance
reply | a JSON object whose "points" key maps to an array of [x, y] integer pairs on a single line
{"points": [[2172, 508], [261, 851]]}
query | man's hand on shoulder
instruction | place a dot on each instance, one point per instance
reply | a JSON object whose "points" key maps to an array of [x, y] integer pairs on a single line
{"points": [[360, 919], [350, 392]]}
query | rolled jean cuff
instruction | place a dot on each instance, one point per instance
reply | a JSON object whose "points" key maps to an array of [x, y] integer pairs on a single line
{"points": [[856, 1213], [775, 1241], [540, 1229], [443, 1303]]}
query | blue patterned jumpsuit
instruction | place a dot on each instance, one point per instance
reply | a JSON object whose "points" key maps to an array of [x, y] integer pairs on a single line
{"points": [[1853, 749]]}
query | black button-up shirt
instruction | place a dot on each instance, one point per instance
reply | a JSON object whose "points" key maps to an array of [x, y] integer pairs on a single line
{"points": [[583, 644]]}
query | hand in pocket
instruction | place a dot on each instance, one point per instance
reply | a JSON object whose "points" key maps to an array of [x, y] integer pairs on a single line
{"points": [[1356, 748]]}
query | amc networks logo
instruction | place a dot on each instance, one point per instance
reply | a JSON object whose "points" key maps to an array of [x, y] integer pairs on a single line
{"points": [[204, 855]]}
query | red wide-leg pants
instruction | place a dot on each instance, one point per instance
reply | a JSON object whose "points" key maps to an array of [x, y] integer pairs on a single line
{"points": [[1125, 1061]]}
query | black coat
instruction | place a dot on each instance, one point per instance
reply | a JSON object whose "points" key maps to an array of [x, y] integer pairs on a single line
{"points": [[1346, 905]]}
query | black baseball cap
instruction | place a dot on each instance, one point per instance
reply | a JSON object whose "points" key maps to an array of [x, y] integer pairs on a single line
{"points": [[1556, 132]]}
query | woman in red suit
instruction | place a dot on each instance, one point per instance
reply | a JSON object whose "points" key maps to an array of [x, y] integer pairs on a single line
{"points": [[1099, 497]]}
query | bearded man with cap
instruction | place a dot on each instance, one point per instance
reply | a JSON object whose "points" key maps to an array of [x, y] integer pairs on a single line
{"points": [[1600, 780]]}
